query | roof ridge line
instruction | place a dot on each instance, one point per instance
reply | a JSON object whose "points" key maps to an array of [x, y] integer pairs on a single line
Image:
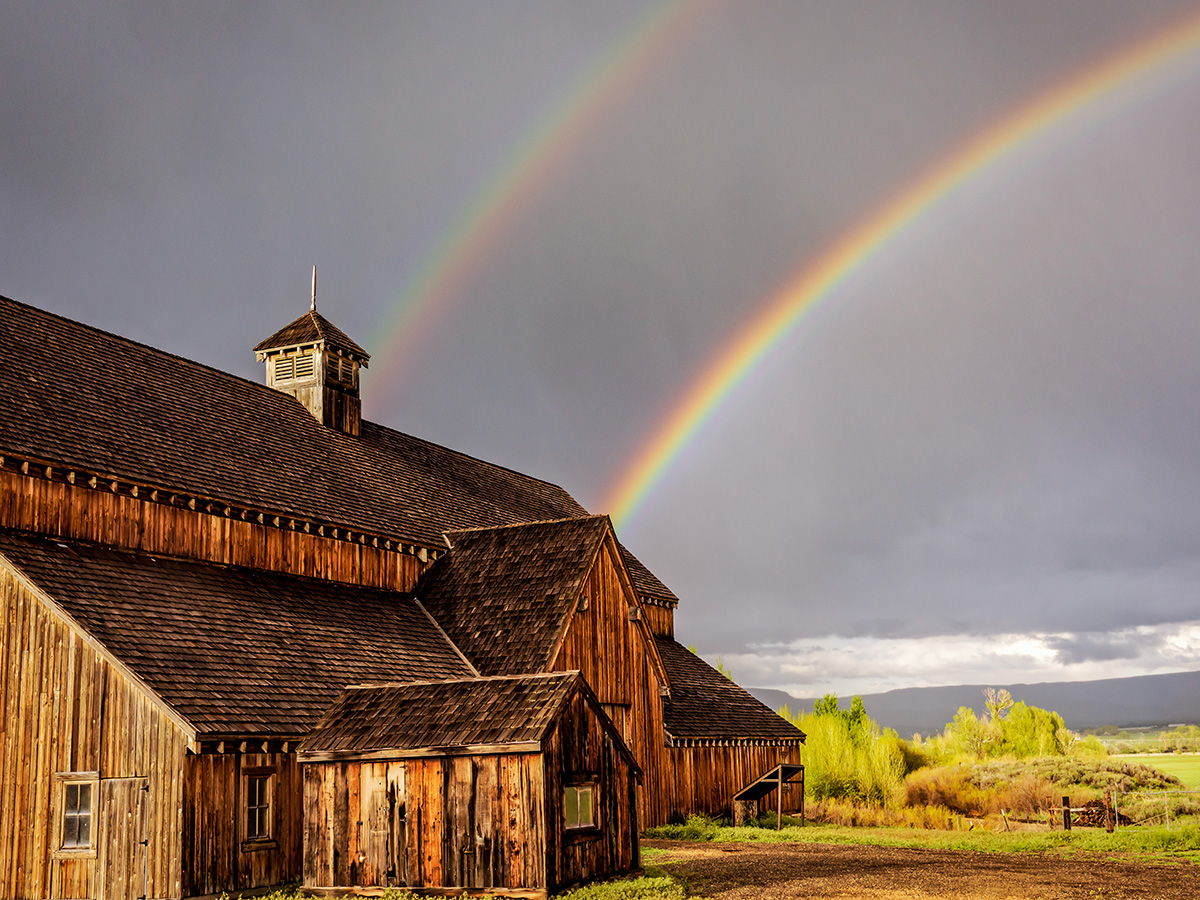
{"points": [[589, 516], [260, 386], [472, 679], [127, 340]]}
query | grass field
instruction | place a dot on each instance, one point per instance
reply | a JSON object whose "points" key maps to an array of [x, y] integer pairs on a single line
{"points": [[1184, 766]]}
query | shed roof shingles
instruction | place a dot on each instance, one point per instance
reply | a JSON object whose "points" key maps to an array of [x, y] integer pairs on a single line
{"points": [[236, 651], [705, 705], [502, 595], [449, 713], [86, 398]]}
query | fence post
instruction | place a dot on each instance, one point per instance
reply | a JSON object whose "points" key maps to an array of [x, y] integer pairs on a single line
{"points": [[1167, 809], [802, 818], [779, 809], [1108, 811], [1066, 813]]}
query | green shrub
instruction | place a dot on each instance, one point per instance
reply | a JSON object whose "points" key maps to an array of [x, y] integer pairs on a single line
{"points": [[648, 887], [697, 828], [847, 757]]}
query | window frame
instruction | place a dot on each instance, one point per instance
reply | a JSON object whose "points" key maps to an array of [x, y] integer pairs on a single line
{"points": [[66, 781], [266, 840], [578, 786]]}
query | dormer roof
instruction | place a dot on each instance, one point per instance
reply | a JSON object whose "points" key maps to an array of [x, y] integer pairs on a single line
{"points": [[313, 328], [503, 595]]}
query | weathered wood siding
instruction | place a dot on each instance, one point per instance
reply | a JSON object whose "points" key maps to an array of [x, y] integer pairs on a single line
{"points": [[216, 855], [476, 821], [58, 509], [611, 652], [580, 748], [661, 619], [66, 707], [613, 656], [354, 824], [429, 822], [701, 780]]}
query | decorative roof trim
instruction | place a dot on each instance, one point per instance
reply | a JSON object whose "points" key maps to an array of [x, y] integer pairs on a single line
{"points": [[660, 602], [732, 742], [311, 756], [78, 476]]}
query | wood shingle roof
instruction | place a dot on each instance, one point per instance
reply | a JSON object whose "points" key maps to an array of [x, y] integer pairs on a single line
{"points": [[312, 328], [432, 715], [82, 398], [235, 651], [503, 595], [706, 706]]}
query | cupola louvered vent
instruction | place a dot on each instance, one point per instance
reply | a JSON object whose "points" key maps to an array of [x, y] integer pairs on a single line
{"points": [[318, 365], [289, 368]]}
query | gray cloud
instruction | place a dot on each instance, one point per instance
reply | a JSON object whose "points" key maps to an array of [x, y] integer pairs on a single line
{"points": [[990, 429]]}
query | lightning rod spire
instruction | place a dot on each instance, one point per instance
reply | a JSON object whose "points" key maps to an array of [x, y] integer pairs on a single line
{"points": [[314, 297]]}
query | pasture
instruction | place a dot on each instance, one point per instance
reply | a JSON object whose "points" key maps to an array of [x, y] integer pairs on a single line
{"points": [[1184, 766]]}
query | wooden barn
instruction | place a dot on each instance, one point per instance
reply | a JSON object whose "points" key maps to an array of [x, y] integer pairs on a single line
{"points": [[519, 784], [194, 567]]}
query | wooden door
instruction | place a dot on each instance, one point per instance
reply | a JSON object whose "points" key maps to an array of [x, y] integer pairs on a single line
{"points": [[397, 845], [122, 852], [381, 825]]}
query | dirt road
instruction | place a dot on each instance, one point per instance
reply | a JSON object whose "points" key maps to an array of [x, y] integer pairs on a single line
{"points": [[834, 872]]}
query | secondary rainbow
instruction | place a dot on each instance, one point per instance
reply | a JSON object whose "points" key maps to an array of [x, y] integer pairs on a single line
{"points": [[783, 311], [543, 151]]}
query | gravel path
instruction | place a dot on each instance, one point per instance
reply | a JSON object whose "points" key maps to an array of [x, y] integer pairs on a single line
{"points": [[742, 871]]}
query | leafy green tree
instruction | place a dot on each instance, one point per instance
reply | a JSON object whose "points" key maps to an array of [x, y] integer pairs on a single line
{"points": [[1030, 731], [1008, 728], [846, 756], [969, 735], [826, 706]]}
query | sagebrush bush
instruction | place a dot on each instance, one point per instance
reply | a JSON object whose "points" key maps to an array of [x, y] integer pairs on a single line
{"points": [[949, 787], [835, 812], [1030, 787]]}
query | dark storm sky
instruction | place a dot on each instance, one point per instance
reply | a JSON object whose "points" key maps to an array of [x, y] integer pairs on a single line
{"points": [[977, 463]]}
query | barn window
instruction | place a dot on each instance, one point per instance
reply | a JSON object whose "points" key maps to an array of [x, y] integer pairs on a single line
{"points": [[76, 814], [578, 808], [258, 807]]}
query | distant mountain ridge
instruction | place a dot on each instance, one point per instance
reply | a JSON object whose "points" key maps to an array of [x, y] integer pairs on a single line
{"points": [[1128, 702]]}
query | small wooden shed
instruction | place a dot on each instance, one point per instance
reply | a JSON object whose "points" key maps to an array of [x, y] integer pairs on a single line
{"points": [[520, 785]]}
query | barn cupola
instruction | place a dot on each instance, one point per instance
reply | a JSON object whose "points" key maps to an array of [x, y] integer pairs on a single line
{"points": [[316, 363]]}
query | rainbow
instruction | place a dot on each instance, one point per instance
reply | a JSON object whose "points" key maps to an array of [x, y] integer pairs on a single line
{"points": [[480, 226], [816, 281]]}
